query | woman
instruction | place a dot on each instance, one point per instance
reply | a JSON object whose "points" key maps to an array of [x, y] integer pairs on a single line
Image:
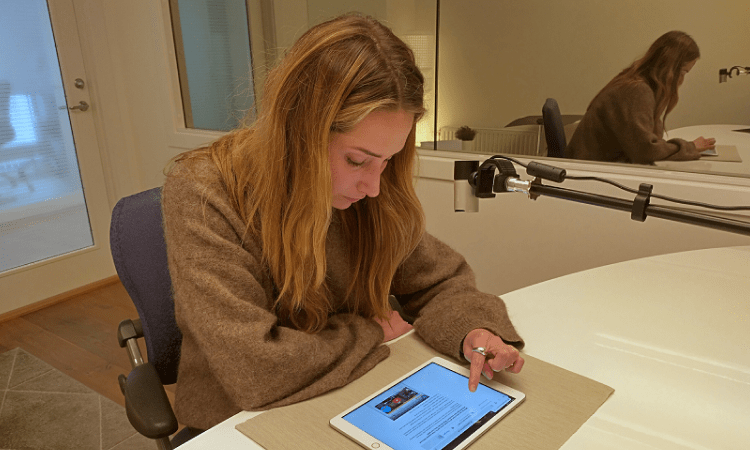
{"points": [[625, 121], [285, 239]]}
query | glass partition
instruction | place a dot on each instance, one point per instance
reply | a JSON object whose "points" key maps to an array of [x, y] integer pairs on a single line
{"points": [[212, 44], [224, 48], [500, 61], [414, 21]]}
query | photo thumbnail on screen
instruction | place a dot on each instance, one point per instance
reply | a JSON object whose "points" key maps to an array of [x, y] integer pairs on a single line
{"points": [[400, 403]]}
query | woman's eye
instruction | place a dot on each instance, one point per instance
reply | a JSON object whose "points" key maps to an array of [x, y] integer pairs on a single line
{"points": [[351, 162]]}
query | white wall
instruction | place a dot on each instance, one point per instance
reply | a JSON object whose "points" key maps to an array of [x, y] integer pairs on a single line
{"points": [[513, 242]]}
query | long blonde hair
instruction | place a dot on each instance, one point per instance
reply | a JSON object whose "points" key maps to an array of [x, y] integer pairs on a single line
{"points": [[278, 174], [660, 68]]}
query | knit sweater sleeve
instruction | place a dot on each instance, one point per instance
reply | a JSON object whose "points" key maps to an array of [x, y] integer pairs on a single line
{"points": [[630, 115], [436, 285], [235, 355]]}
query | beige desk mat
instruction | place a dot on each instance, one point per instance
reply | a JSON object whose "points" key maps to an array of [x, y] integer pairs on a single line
{"points": [[557, 403], [726, 153]]}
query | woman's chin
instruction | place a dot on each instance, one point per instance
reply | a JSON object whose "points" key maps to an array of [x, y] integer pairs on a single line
{"points": [[341, 204]]}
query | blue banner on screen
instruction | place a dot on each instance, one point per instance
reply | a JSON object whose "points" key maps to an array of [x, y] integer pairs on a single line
{"points": [[422, 413]]}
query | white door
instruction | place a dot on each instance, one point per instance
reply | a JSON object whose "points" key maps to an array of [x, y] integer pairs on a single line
{"points": [[54, 215]]}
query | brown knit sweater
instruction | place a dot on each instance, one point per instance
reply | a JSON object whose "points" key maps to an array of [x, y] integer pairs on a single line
{"points": [[236, 357], [619, 126]]}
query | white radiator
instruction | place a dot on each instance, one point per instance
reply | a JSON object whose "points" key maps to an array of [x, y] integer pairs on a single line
{"points": [[520, 140]]}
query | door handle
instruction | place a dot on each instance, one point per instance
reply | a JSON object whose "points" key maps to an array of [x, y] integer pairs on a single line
{"points": [[81, 106]]}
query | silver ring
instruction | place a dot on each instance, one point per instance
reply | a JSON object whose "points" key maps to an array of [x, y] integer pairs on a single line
{"points": [[481, 350]]}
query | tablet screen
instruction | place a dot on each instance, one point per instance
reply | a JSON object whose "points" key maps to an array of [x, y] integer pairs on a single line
{"points": [[431, 409]]}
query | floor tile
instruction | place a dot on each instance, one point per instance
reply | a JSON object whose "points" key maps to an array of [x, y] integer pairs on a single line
{"points": [[6, 364], [135, 442], [26, 367], [52, 381], [45, 409], [115, 425], [40, 420]]}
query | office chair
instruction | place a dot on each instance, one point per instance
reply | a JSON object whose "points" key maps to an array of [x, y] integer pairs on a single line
{"points": [[140, 257], [554, 132]]}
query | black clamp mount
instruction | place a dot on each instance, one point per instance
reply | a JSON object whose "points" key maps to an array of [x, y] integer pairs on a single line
{"points": [[641, 202]]}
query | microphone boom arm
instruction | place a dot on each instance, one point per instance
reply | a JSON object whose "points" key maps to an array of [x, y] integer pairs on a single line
{"points": [[724, 73], [640, 207], [484, 184]]}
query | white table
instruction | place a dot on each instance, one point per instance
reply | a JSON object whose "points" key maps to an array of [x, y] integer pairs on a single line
{"points": [[669, 333], [725, 135]]}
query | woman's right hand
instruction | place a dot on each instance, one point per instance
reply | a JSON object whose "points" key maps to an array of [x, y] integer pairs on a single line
{"points": [[394, 327], [704, 143]]}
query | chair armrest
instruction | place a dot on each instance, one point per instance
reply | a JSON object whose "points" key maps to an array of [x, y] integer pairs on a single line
{"points": [[147, 404], [128, 333], [129, 329]]}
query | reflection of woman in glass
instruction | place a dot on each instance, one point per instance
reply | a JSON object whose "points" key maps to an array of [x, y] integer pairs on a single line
{"points": [[625, 121]]}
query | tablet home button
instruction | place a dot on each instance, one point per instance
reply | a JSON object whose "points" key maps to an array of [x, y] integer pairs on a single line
{"points": [[375, 445]]}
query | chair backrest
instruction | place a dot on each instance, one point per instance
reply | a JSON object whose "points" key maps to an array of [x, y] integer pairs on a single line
{"points": [[554, 132], [140, 254]]}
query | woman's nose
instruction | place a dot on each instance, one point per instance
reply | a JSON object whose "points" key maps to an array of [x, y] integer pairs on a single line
{"points": [[369, 184]]}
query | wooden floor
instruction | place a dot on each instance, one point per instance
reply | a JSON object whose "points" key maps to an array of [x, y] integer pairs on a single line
{"points": [[78, 336]]}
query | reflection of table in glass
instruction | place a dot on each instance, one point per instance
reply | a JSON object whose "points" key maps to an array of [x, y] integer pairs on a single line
{"points": [[669, 333], [725, 135]]}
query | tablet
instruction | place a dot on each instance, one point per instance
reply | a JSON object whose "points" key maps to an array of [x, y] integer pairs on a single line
{"points": [[430, 408]]}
